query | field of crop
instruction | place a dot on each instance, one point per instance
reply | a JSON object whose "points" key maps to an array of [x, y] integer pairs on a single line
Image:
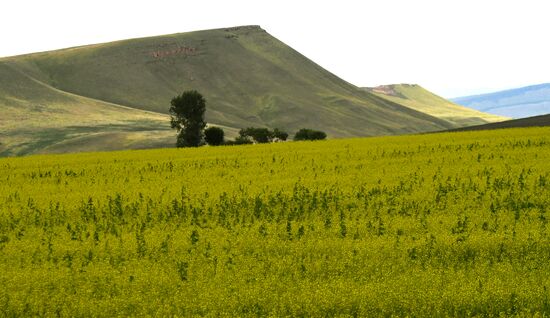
{"points": [[451, 224]]}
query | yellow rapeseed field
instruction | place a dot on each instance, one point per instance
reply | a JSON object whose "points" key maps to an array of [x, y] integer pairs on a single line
{"points": [[452, 224]]}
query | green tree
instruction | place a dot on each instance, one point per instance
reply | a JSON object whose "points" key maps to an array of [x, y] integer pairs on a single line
{"points": [[260, 135], [309, 134], [187, 116], [214, 136], [240, 140], [279, 134]]}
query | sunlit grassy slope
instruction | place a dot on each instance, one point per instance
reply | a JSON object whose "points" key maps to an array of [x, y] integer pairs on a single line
{"points": [[433, 225], [248, 78], [420, 99], [36, 117]]}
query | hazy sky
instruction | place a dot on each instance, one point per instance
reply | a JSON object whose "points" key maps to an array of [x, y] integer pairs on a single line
{"points": [[453, 48]]}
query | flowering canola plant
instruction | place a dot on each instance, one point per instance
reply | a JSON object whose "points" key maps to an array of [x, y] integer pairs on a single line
{"points": [[451, 224]]}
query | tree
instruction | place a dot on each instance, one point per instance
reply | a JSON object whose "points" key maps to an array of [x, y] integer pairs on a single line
{"points": [[260, 135], [214, 136], [241, 140], [279, 134], [187, 116], [309, 134]]}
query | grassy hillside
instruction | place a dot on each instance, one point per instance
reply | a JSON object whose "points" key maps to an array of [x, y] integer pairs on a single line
{"points": [[248, 77], [420, 99], [536, 121], [515, 103], [434, 225], [36, 117]]}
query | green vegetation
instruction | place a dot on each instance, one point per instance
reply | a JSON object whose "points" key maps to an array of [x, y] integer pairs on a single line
{"points": [[418, 98], [259, 135], [249, 78], [187, 116], [239, 140], [262, 135], [214, 136], [309, 134], [452, 224], [279, 134]]}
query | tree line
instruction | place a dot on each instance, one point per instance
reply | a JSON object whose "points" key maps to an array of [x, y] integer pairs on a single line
{"points": [[187, 117]]}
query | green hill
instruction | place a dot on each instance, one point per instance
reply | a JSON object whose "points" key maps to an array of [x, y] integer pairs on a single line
{"points": [[36, 116], [248, 77], [418, 98]]}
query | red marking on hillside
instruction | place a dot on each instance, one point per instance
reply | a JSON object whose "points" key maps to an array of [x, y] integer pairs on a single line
{"points": [[385, 89], [182, 50]]}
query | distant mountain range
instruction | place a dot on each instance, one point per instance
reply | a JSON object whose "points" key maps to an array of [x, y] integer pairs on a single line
{"points": [[515, 103], [116, 95]]}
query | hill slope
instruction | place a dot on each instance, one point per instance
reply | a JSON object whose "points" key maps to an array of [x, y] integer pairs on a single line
{"points": [[248, 77], [536, 121], [515, 103], [36, 116], [420, 99]]}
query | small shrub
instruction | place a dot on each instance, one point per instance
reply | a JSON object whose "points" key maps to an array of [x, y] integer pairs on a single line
{"points": [[279, 134], [214, 136], [242, 141], [310, 134]]}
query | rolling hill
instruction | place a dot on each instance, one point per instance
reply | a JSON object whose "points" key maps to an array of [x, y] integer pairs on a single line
{"points": [[37, 117], [420, 99], [515, 103], [116, 95]]}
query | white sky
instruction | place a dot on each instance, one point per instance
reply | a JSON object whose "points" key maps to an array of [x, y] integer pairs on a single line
{"points": [[453, 48]]}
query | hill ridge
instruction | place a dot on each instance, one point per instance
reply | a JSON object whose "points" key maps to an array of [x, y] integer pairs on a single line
{"points": [[69, 48]]}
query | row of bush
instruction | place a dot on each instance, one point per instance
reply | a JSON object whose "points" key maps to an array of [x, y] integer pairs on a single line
{"points": [[215, 136], [187, 117]]}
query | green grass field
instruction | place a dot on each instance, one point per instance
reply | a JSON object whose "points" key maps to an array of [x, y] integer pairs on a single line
{"points": [[452, 224]]}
